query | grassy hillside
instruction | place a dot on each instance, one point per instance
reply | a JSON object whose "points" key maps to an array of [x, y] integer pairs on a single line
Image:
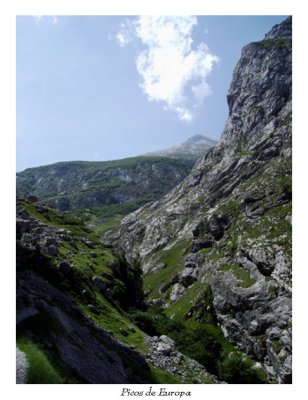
{"points": [[101, 193]]}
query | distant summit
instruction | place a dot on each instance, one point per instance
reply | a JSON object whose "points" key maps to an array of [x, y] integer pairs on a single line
{"points": [[191, 149], [201, 139]]}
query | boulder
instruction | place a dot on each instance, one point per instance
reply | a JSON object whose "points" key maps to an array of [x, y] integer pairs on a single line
{"points": [[165, 345], [177, 292]]}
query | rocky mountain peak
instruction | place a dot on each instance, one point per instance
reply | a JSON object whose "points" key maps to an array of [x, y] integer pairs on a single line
{"points": [[190, 150], [202, 139], [282, 30]]}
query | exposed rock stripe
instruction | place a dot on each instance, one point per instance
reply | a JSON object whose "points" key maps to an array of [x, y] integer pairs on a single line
{"points": [[22, 366]]}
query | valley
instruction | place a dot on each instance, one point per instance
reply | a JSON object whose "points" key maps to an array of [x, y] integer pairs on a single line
{"points": [[102, 193], [174, 267]]}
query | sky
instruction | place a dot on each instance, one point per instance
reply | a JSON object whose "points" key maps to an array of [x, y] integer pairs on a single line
{"points": [[108, 87]]}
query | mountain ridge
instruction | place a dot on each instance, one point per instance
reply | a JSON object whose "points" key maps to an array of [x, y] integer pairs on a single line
{"points": [[101, 192]]}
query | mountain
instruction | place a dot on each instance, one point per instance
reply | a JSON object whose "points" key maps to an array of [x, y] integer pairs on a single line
{"points": [[102, 192], [74, 301], [192, 288], [217, 248], [191, 149]]}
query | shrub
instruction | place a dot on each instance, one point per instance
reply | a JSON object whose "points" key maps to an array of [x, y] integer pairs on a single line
{"points": [[200, 343], [195, 342], [144, 321], [236, 369]]}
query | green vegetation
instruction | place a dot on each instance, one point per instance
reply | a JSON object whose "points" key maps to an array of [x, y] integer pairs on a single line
{"points": [[159, 375], [216, 256], [277, 345], [87, 259], [41, 369], [236, 368], [240, 273], [181, 307], [106, 214], [273, 289], [241, 150], [190, 321], [279, 43], [201, 341], [114, 320], [83, 250], [99, 192], [109, 223], [230, 208], [273, 225], [261, 194], [174, 256], [174, 262], [196, 342], [51, 217], [96, 166], [207, 250]]}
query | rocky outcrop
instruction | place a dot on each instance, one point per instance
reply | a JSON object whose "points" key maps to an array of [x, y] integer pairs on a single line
{"points": [[235, 209], [163, 355]]}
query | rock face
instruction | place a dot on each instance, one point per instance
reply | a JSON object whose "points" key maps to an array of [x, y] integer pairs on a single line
{"points": [[235, 211], [191, 149]]}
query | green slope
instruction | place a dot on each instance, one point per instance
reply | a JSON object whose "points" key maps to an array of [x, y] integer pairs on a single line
{"points": [[101, 193]]}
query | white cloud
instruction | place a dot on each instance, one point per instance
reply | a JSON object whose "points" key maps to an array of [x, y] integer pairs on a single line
{"points": [[122, 40], [126, 33], [39, 18], [172, 71]]}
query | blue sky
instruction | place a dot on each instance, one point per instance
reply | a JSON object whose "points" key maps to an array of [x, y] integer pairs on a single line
{"points": [[101, 88]]}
